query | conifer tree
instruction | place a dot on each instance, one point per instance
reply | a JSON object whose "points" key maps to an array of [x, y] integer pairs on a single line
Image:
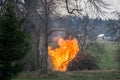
{"points": [[13, 42]]}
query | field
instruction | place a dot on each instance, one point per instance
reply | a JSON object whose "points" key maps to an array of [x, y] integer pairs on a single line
{"points": [[108, 59], [85, 75], [108, 70]]}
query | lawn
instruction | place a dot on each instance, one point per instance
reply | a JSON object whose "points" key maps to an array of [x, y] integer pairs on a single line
{"points": [[108, 58], [87, 75]]}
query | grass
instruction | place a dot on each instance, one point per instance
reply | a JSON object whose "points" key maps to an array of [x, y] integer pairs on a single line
{"points": [[105, 54], [108, 58], [85, 75]]}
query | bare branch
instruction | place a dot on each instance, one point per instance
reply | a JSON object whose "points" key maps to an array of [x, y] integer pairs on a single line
{"points": [[96, 6]]}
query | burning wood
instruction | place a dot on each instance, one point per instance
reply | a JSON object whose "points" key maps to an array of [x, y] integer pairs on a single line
{"points": [[64, 53]]}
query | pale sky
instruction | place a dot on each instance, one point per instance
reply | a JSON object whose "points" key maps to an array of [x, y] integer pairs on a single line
{"points": [[116, 4], [113, 5]]}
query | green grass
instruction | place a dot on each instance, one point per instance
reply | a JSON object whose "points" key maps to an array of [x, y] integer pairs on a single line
{"points": [[79, 76], [105, 54], [108, 58]]}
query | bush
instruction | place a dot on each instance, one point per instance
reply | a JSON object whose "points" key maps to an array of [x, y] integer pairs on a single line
{"points": [[83, 61]]}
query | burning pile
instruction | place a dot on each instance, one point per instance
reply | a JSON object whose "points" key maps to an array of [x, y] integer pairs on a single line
{"points": [[66, 51]]}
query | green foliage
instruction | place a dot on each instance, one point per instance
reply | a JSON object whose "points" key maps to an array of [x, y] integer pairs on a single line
{"points": [[13, 42]]}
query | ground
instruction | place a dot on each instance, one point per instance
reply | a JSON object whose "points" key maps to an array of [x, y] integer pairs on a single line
{"points": [[84, 75]]}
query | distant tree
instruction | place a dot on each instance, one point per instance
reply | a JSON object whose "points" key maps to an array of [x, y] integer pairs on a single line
{"points": [[13, 42], [114, 25]]}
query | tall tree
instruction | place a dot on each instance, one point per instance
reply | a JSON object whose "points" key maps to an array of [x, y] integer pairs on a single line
{"points": [[13, 42]]}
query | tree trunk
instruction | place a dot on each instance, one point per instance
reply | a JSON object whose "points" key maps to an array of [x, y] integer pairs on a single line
{"points": [[38, 37]]}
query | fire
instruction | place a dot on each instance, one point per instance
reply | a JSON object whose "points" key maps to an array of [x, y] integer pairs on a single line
{"points": [[66, 51]]}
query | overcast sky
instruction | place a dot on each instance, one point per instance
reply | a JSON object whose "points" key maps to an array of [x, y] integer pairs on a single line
{"points": [[116, 4]]}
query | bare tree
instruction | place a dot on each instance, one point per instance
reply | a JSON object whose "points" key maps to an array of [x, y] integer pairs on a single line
{"points": [[86, 33], [95, 7], [40, 19]]}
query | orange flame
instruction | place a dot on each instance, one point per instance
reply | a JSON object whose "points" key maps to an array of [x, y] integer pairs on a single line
{"points": [[66, 51]]}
